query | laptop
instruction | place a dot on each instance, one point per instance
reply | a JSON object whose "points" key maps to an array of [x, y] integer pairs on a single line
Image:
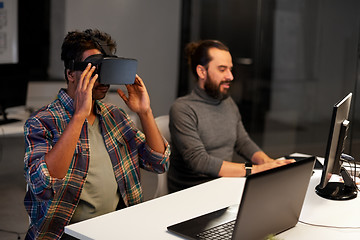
{"points": [[271, 203]]}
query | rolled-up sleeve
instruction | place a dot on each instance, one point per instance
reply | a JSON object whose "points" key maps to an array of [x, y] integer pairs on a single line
{"points": [[152, 160], [37, 144]]}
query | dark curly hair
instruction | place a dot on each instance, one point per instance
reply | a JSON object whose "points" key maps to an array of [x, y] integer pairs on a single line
{"points": [[198, 53], [77, 42]]}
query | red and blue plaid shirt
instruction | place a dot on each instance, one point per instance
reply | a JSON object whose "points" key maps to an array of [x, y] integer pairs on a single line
{"points": [[51, 202]]}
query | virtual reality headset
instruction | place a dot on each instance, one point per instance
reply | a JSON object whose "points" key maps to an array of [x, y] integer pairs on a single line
{"points": [[110, 69]]}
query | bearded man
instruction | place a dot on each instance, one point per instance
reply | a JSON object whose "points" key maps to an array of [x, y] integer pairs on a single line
{"points": [[206, 127]]}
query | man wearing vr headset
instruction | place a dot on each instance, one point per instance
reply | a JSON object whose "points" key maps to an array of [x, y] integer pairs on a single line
{"points": [[83, 156]]}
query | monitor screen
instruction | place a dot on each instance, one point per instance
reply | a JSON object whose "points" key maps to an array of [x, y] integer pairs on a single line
{"points": [[335, 146]]}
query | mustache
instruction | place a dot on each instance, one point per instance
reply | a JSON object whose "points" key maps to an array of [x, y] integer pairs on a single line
{"points": [[226, 82]]}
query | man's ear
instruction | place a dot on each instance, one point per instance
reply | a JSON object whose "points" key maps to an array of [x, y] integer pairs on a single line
{"points": [[201, 72], [70, 75]]}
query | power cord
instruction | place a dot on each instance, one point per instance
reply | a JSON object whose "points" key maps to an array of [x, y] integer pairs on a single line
{"points": [[13, 232], [327, 226], [350, 160]]}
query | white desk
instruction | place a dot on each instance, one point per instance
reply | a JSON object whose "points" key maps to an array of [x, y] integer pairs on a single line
{"points": [[15, 129], [150, 219]]}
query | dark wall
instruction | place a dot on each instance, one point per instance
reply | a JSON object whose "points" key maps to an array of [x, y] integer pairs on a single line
{"points": [[33, 40]]}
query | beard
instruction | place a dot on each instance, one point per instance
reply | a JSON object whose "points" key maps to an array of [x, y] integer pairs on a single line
{"points": [[99, 91], [213, 90]]}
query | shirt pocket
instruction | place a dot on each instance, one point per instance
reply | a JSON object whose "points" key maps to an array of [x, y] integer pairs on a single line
{"points": [[118, 137]]}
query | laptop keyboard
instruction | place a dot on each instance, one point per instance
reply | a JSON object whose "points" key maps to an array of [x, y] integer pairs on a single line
{"points": [[223, 231]]}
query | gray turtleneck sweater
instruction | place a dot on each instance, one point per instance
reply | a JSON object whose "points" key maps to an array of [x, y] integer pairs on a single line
{"points": [[204, 132]]}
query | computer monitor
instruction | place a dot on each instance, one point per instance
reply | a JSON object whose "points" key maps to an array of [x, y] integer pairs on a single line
{"points": [[335, 147]]}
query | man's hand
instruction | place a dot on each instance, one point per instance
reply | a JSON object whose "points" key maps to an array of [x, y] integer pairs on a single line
{"points": [[83, 95], [269, 165], [231, 169], [138, 100], [260, 157]]}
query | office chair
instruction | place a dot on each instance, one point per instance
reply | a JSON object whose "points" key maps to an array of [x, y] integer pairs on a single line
{"points": [[163, 125], [161, 188]]}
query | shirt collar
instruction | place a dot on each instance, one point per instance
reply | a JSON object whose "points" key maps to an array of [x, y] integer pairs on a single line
{"points": [[68, 102]]}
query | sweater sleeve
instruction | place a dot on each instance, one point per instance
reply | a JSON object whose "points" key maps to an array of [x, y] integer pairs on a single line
{"points": [[186, 139], [245, 146]]}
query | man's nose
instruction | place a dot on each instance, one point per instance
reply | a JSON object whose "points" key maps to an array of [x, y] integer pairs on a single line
{"points": [[229, 75]]}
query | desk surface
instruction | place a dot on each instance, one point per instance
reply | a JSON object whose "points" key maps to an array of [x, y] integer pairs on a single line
{"points": [[14, 129], [150, 219]]}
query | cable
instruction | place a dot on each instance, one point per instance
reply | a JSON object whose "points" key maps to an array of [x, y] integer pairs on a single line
{"points": [[353, 173], [327, 226], [13, 232], [350, 160], [346, 157]]}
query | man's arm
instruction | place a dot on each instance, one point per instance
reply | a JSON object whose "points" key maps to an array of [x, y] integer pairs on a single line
{"points": [[58, 159], [138, 101], [153, 136], [187, 141], [230, 169], [184, 134]]}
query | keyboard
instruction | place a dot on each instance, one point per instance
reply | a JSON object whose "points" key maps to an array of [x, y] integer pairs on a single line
{"points": [[223, 231]]}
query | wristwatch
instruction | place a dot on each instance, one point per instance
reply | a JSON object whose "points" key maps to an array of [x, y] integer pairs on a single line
{"points": [[248, 168]]}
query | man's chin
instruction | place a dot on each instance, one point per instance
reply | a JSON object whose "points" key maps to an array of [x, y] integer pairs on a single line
{"points": [[100, 92], [224, 96], [99, 96]]}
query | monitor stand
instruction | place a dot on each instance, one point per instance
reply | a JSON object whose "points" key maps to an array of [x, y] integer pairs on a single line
{"points": [[339, 190]]}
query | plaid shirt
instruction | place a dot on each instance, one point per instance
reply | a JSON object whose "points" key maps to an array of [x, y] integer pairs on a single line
{"points": [[51, 202]]}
